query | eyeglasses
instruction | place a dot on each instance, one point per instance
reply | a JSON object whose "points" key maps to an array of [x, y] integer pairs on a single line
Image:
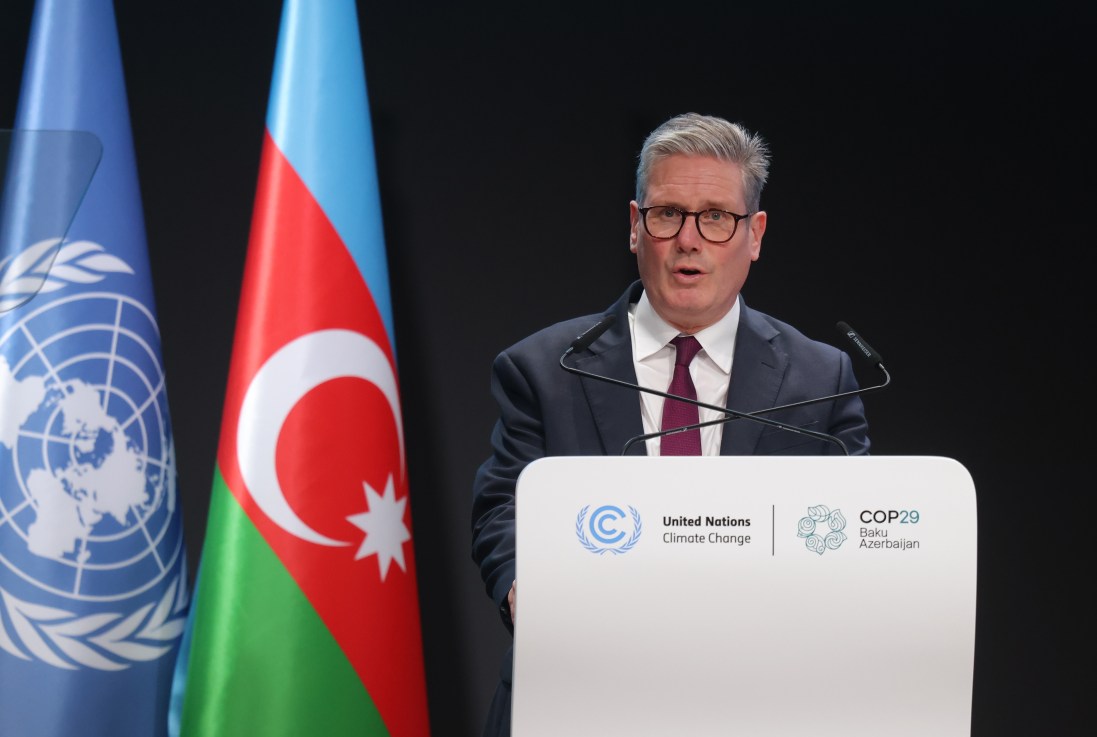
{"points": [[716, 226]]}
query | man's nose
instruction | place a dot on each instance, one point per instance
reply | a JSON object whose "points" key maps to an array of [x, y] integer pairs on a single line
{"points": [[689, 236]]}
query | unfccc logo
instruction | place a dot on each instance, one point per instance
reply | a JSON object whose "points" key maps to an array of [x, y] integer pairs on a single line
{"points": [[608, 529]]}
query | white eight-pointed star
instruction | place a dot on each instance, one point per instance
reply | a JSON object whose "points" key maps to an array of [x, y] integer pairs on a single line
{"points": [[383, 523]]}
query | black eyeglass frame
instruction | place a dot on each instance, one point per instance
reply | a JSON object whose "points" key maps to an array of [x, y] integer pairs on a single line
{"points": [[696, 221]]}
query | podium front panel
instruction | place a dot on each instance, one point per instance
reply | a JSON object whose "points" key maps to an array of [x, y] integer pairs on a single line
{"points": [[745, 595]]}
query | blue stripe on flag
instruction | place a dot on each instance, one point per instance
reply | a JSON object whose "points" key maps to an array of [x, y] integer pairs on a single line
{"points": [[319, 118]]}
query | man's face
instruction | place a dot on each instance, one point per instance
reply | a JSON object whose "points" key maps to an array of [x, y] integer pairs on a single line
{"points": [[690, 281]]}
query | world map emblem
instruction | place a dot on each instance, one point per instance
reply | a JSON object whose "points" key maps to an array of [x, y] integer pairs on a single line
{"points": [[91, 546]]}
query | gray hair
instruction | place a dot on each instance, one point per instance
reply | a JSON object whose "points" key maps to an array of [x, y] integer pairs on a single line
{"points": [[704, 135]]}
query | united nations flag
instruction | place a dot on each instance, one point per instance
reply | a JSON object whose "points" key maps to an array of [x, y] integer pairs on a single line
{"points": [[93, 591]]}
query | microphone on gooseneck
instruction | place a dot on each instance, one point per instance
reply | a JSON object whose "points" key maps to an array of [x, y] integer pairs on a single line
{"points": [[591, 334], [863, 349], [584, 340]]}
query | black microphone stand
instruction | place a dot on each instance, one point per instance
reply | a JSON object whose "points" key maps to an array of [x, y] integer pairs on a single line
{"points": [[732, 414], [754, 415], [595, 331]]}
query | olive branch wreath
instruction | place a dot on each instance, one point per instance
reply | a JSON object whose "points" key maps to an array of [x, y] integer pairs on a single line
{"points": [[64, 640], [37, 269]]}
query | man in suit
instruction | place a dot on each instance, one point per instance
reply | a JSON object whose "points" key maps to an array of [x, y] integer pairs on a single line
{"points": [[696, 227]]}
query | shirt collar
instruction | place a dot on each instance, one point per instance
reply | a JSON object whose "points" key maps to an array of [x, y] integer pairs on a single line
{"points": [[651, 333]]}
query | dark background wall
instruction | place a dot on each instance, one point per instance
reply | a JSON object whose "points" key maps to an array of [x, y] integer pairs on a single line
{"points": [[931, 185]]}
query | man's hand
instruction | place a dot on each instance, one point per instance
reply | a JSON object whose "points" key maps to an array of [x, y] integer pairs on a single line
{"points": [[512, 600]]}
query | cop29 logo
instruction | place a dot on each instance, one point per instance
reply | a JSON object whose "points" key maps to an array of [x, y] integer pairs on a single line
{"points": [[608, 529], [830, 537]]}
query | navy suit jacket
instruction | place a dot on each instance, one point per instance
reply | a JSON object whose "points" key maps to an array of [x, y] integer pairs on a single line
{"points": [[546, 411]]}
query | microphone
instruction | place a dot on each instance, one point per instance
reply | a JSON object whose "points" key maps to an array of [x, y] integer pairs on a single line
{"points": [[591, 334], [857, 340], [864, 350], [584, 340]]}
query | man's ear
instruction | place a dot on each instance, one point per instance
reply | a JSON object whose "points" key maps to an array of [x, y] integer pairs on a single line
{"points": [[634, 225], [757, 230]]}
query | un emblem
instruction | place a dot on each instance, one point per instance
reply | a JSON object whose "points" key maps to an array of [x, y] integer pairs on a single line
{"points": [[90, 534], [608, 529]]}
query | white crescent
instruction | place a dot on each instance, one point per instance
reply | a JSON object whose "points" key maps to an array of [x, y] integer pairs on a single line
{"points": [[296, 369]]}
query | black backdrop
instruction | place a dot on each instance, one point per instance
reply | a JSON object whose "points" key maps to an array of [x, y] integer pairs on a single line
{"points": [[931, 185]]}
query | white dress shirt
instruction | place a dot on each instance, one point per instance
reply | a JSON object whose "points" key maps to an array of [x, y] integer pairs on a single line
{"points": [[653, 357]]}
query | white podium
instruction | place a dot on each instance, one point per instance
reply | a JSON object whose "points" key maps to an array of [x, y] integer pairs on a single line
{"points": [[745, 596]]}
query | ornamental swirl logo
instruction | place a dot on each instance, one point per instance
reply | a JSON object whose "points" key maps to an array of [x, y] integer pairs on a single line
{"points": [[600, 531], [89, 530], [832, 536]]}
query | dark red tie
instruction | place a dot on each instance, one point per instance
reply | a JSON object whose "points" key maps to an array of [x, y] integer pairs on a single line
{"points": [[679, 414]]}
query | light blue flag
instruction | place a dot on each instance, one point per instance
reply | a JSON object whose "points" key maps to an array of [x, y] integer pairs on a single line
{"points": [[93, 592]]}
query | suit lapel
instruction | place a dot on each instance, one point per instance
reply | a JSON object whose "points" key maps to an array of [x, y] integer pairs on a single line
{"points": [[756, 376], [615, 409]]}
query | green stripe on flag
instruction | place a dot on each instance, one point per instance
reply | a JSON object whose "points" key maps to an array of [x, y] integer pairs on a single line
{"points": [[262, 662]]}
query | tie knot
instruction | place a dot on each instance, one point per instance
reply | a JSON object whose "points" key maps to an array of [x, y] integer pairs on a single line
{"points": [[686, 347]]}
